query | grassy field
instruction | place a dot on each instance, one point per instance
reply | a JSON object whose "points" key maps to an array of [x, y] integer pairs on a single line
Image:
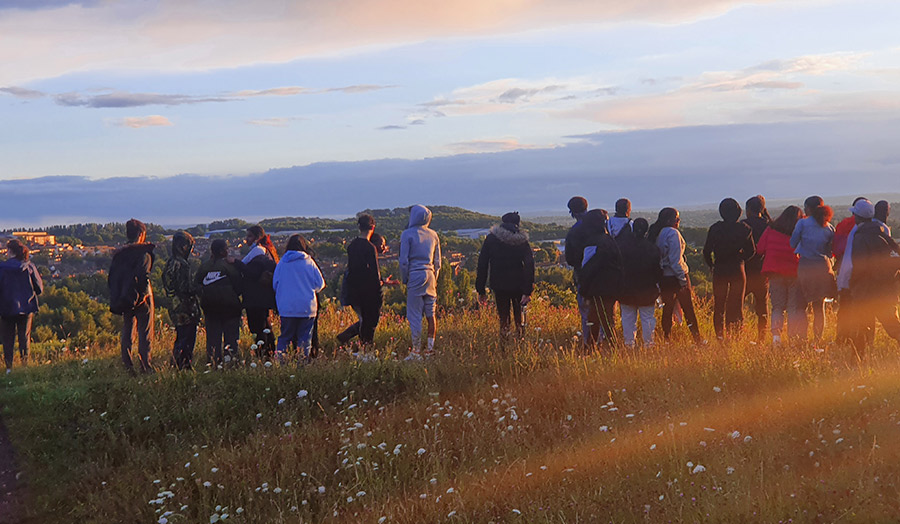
{"points": [[527, 431]]}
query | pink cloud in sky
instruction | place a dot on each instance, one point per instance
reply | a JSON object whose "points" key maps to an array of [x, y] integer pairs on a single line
{"points": [[137, 122]]}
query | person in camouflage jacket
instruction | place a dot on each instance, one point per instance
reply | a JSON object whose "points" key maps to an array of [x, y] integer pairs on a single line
{"points": [[180, 285]]}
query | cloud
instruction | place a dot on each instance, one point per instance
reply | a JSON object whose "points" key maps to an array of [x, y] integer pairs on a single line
{"points": [[489, 146], [362, 88], [516, 94], [125, 99], [42, 4], [178, 36], [390, 128], [278, 121], [21, 92], [137, 122], [297, 90]]}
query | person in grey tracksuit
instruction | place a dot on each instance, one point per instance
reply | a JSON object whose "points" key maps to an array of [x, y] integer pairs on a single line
{"points": [[420, 263]]}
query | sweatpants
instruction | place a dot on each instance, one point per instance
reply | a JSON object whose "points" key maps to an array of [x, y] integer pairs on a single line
{"points": [[418, 306], [258, 322], [508, 302], [787, 303], [629, 323], [142, 318], [221, 331], [671, 292], [728, 301], [758, 286], [296, 331], [601, 319], [369, 311], [12, 328], [183, 349]]}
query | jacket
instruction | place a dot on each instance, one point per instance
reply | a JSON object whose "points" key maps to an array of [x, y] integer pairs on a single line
{"points": [[812, 241], [296, 281], [758, 225], [420, 254], [874, 269], [617, 225], [601, 271], [506, 257], [129, 277], [20, 285], [728, 245], [842, 236], [220, 287], [179, 284], [576, 239], [778, 256], [845, 271], [257, 279], [363, 278], [641, 270], [671, 254]]}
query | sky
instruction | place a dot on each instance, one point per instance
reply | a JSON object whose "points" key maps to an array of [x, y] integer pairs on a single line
{"points": [[194, 110]]}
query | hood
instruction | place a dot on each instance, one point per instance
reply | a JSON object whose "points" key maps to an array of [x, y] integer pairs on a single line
{"points": [[293, 256], [508, 237], [135, 248], [419, 216], [182, 244]]}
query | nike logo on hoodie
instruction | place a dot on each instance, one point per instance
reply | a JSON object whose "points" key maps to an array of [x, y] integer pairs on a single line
{"points": [[212, 277]]}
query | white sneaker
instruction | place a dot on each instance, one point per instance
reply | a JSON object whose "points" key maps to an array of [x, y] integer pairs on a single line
{"points": [[8, 371], [776, 339], [414, 356]]}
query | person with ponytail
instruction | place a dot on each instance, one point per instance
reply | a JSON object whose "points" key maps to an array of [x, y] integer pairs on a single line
{"points": [[675, 285], [20, 285], [757, 284], [812, 240], [257, 268]]}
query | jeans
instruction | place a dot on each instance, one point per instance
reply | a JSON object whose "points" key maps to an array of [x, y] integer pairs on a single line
{"points": [[671, 292], [758, 286], [9, 328], [787, 301], [728, 302], [142, 317], [601, 319], [258, 322], [508, 302], [629, 323], [183, 350], [296, 331], [416, 307], [221, 329]]}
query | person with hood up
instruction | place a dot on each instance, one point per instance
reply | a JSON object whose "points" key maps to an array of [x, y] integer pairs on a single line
{"points": [[130, 293], [296, 281], [257, 268], [780, 269], [812, 239], [420, 263], [574, 252], [20, 285], [621, 220], [675, 285], [220, 286], [873, 283], [600, 279], [506, 263], [757, 285], [729, 244], [180, 285], [640, 287]]}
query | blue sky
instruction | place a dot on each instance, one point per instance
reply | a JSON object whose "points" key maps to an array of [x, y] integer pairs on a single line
{"points": [[156, 89]]}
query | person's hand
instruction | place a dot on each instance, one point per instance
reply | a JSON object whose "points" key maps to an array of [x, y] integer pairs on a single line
{"points": [[526, 300], [390, 281]]}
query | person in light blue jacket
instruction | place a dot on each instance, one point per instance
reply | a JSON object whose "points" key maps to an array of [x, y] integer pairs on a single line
{"points": [[420, 263], [813, 241], [296, 281]]}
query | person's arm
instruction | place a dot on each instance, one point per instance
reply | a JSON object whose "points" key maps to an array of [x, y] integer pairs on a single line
{"points": [[797, 234], [436, 256], [763, 243], [571, 251], [676, 256], [749, 247], [528, 285], [318, 281], [37, 283], [484, 261], [708, 246], [403, 258], [371, 269], [142, 274]]}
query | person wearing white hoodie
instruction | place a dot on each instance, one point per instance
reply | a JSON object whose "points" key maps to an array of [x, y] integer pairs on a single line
{"points": [[296, 281], [420, 263], [621, 219]]}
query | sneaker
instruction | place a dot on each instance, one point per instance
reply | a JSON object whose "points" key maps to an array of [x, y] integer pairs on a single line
{"points": [[428, 353], [776, 340], [414, 356], [8, 371]]}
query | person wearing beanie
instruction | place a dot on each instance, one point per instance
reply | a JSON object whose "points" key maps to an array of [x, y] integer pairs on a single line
{"points": [[420, 264], [220, 286], [601, 275], [622, 218], [506, 265], [130, 293], [180, 286], [20, 285], [757, 285], [640, 287], [812, 239], [873, 281], [258, 298], [729, 244], [574, 252]]}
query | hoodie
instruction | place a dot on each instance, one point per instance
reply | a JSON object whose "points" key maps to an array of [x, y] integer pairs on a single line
{"points": [[616, 224], [507, 258], [129, 277], [671, 252], [420, 254], [178, 282], [296, 281], [875, 270], [20, 285], [257, 268], [220, 286], [729, 244]]}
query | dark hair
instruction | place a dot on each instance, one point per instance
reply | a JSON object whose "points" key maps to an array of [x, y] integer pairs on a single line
{"points": [[133, 229], [264, 240], [882, 210], [623, 207], [640, 226], [816, 208], [787, 220], [756, 206], [595, 221], [298, 243], [378, 241], [19, 250], [730, 210], [668, 217], [366, 222], [219, 248], [577, 205]]}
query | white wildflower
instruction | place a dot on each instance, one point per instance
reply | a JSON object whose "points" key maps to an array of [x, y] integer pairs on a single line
{"points": [[698, 469], [302, 393]]}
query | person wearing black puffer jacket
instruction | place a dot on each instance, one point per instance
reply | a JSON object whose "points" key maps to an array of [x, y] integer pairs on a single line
{"points": [[506, 257], [257, 268], [600, 278], [729, 244], [757, 283], [220, 285], [130, 294]]}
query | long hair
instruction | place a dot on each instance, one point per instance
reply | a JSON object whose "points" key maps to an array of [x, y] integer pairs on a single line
{"points": [[786, 221], [264, 240], [298, 243], [668, 217], [756, 207], [816, 208], [19, 250]]}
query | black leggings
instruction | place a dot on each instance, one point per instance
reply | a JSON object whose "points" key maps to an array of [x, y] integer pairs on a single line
{"points": [[671, 291], [16, 325], [258, 322]]}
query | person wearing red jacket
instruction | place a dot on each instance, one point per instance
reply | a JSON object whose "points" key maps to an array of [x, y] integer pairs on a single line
{"points": [[780, 268]]}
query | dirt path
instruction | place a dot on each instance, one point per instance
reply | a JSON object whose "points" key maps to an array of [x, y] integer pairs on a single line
{"points": [[11, 489]]}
